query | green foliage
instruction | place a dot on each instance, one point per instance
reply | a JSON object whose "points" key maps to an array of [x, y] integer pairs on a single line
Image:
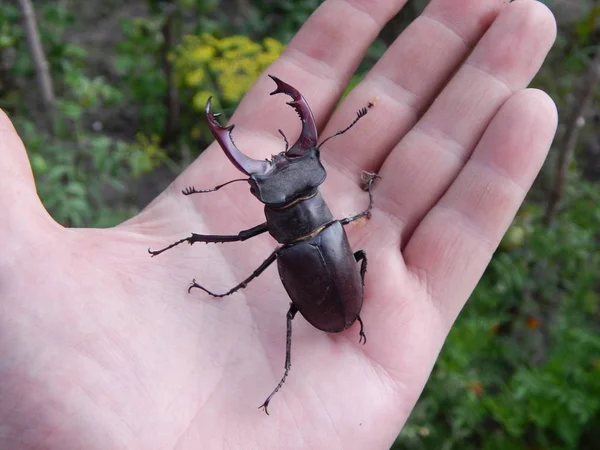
{"points": [[205, 58], [10, 32], [77, 171], [73, 177], [75, 168], [277, 18], [588, 25], [521, 368], [145, 52], [138, 64]]}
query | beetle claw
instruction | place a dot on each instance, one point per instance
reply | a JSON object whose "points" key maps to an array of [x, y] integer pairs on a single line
{"points": [[308, 136], [363, 338], [194, 285], [264, 407], [368, 179], [222, 134]]}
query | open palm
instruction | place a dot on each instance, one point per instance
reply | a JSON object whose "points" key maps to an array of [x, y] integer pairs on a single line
{"points": [[102, 346]]}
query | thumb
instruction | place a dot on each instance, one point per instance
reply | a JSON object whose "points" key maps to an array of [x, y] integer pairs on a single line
{"points": [[20, 206]]}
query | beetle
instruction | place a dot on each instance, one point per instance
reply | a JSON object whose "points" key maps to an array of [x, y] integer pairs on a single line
{"points": [[317, 266]]}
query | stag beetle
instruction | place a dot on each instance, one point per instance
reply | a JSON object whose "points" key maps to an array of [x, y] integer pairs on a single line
{"points": [[316, 264]]}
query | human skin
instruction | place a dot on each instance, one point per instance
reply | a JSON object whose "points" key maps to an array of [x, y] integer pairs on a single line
{"points": [[103, 348]]}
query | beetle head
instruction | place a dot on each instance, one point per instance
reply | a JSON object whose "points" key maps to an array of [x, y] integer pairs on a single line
{"points": [[287, 176], [290, 178]]}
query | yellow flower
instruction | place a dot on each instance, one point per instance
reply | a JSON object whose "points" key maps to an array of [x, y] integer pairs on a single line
{"points": [[219, 65], [232, 54], [246, 65], [251, 49], [232, 42], [200, 99], [234, 62], [208, 39], [202, 54], [273, 45], [195, 77], [234, 87], [264, 60]]}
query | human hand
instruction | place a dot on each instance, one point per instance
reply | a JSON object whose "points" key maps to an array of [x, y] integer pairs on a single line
{"points": [[102, 346]]}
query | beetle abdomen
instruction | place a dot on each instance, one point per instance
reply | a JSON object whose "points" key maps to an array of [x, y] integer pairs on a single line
{"points": [[322, 279]]}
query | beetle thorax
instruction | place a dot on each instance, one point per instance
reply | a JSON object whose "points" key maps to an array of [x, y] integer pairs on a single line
{"points": [[290, 179]]}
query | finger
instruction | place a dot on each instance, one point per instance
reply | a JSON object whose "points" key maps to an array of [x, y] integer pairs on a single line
{"points": [[406, 79], [319, 62], [18, 197], [428, 159], [16, 178], [15, 164], [451, 247]]}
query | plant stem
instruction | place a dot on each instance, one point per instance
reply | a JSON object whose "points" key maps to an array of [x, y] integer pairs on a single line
{"points": [[39, 60], [574, 124], [171, 100]]}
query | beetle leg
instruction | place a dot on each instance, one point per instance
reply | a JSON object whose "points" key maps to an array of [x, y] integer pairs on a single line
{"points": [[361, 256], [288, 355], [192, 190], [369, 178], [211, 238], [266, 263], [363, 337]]}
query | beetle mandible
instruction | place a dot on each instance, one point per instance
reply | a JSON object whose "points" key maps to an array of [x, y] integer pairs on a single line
{"points": [[316, 264]]}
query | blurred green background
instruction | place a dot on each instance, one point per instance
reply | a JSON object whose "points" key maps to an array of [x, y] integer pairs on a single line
{"points": [[118, 115]]}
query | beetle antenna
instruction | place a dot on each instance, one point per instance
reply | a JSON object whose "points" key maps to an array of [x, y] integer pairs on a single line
{"points": [[192, 190], [287, 144], [362, 112]]}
